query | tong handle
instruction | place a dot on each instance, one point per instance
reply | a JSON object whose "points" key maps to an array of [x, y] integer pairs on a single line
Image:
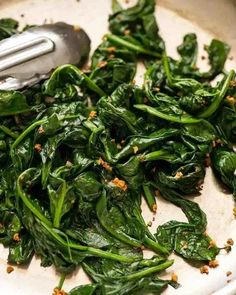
{"points": [[24, 52]]}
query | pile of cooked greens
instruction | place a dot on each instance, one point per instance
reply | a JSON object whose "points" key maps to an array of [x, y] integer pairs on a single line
{"points": [[79, 151]]}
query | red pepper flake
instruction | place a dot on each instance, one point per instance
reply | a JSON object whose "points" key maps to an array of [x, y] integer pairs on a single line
{"points": [[16, 237], [204, 269], [57, 291], [229, 273], [102, 64], [38, 147], [174, 278], [120, 183], [104, 164], [92, 114], [10, 269], [213, 263]]}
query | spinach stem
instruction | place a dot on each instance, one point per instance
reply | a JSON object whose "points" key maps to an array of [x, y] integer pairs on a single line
{"points": [[34, 125], [8, 131], [48, 226], [156, 247], [149, 270], [58, 210], [27, 202], [61, 282], [137, 48], [158, 155], [149, 196], [184, 119], [167, 68], [216, 103], [90, 250]]}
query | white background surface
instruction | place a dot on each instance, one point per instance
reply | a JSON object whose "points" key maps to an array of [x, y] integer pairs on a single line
{"points": [[92, 16]]}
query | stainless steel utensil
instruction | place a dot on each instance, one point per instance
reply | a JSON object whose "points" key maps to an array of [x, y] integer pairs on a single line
{"points": [[29, 57]]}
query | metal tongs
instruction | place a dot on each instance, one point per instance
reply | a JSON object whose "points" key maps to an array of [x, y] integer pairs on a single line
{"points": [[29, 57]]}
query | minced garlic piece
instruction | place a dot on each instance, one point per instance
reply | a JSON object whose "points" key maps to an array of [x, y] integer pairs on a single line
{"points": [[234, 211], [38, 147], [16, 237], [120, 183], [231, 100], [154, 208], [57, 291], [77, 28], [127, 32], [41, 130], [104, 164], [204, 269], [149, 223], [230, 242], [178, 175], [174, 277], [92, 114], [102, 64], [212, 244], [213, 263], [10, 269], [135, 149], [157, 193], [111, 49]]}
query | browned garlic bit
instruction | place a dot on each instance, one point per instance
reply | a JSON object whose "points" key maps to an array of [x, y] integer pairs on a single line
{"points": [[174, 277], [10, 269], [204, 269], [213, 263], [38, 147], [120, 183]]}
